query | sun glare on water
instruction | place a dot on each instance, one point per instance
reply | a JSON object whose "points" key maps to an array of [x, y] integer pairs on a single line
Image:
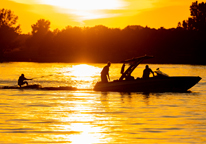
{"points": [[84, 70], [84, 75], [85, 9]]}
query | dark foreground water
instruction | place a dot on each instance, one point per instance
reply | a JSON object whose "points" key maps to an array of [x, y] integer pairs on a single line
{"points": [[89, 117]]}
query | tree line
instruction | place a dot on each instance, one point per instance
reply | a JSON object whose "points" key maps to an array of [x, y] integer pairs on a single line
{"points": [[184, 44]]}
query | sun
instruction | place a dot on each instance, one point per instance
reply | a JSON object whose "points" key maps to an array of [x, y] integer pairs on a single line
{"points": [[86, 9], [84, 4]]}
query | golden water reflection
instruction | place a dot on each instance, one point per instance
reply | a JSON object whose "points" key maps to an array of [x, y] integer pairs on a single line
{"points": [[84, 75], [83, 121], [87, 116]]}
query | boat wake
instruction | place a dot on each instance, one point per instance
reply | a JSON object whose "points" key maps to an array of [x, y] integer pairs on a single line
{"points": [[39, 87]]}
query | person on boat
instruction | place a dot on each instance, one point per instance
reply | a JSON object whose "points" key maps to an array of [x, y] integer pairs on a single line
{"points": [[105, 73], [147, 72], [21, 80]]}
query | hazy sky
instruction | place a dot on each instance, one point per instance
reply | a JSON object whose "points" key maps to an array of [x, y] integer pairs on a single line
{"points": [[111, 13]]}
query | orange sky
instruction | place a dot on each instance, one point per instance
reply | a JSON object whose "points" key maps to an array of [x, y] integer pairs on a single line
{"points": [[111, 13]]}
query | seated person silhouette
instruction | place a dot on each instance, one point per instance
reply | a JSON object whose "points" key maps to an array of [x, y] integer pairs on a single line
{"points": [[147, 72], [21, 80]]}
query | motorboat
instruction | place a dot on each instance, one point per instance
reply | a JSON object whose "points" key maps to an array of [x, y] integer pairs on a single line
{"points": [[161, 82]]}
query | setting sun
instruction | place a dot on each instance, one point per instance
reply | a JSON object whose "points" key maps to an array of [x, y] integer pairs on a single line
{"points": [[85, 5], [90, 9]]}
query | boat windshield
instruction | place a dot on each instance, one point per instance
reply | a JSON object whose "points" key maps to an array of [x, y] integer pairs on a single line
{"points": [[134, 62]]}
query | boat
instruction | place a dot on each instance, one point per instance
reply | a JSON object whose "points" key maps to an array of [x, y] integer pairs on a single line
{"points": [[159, 83]]}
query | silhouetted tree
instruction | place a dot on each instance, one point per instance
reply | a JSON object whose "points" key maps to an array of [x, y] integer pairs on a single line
{"points": [[41, 27], [184, 24], [197, 21], [198, 13], [184, 44], [39, 31], [9, 30]]}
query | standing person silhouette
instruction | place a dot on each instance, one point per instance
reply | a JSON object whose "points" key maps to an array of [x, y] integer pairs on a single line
{"points": [[105, 73], [21, 80]]}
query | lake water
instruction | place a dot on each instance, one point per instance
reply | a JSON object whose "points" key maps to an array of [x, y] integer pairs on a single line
{"points": [[89, 117]]}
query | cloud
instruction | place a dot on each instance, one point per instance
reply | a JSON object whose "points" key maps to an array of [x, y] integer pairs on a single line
{"points": [[167, 17]]}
